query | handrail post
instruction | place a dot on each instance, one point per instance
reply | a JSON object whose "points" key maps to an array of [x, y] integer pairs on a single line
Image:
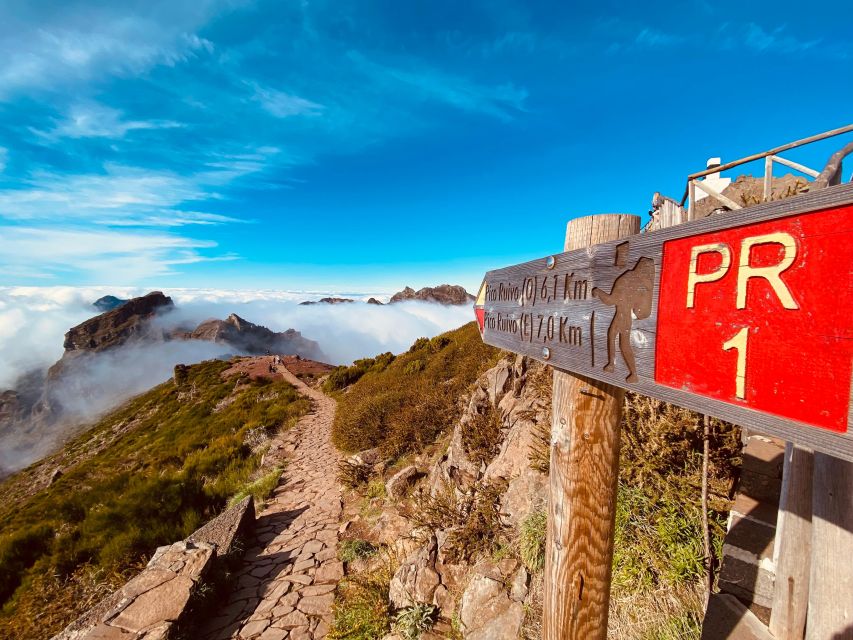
{"points": [[768, 178], [691, 194]]}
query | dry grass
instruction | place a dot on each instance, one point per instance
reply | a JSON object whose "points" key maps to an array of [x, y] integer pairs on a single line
{"points": [[666, 613], [482, 435], [404, 404]]}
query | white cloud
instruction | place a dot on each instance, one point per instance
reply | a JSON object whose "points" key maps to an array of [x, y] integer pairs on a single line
{"points": [[93, 120], [95, 255], [501, 101], [88, 46], [283, 105], [33, 320]]}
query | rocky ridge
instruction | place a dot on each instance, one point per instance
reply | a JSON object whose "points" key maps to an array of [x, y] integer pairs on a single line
{"points": [[449, 294]]}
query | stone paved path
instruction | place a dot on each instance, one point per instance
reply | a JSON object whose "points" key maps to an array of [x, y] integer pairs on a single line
{"points": [[286, 584]]}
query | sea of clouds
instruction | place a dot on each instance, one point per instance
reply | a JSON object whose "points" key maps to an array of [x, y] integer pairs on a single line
{"points": [[33, 322]]}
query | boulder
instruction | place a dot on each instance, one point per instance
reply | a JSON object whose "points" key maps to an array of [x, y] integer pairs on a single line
{"points": [[400, 482], [416, 580], [488, 613]]}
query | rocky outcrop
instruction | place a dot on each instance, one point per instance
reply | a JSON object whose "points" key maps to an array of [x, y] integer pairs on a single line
{"points": [[373, 301], [487, 611], [107, 303], [487, 597], [327, 301], [116, 327], [442, 294], [748, 191], [254, 339]]}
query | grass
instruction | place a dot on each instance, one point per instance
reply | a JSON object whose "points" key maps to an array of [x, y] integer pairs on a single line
{"points": [[361, 609], [531, 540], [402, 404], [355, 549], [146, 475], [259, 489]]}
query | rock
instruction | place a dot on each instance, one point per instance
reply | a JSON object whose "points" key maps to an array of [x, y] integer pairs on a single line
{"points": [[487, 612], [373, 301], [254, 339], [165, 602], [416, 580], [498, 381], [519, 586], [224, 529], [116, 327], [400, 482], [56, 475], [442, 294], [327, 301], [368, 457]]}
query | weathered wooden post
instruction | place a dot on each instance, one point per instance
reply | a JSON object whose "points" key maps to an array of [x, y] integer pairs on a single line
{"points": [[793, 546], [830, 612], [583, 479]]}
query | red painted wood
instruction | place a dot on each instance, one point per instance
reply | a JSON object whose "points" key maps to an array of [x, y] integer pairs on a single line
{"points": [[481, 314], [798, 362]]}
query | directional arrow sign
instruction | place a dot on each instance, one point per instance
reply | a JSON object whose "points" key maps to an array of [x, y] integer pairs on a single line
{"points": [[746, 316]]}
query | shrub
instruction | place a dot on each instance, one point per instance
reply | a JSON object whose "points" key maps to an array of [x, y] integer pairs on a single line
{"points": [[474, 520], [353, 474], [531, 540], [355, 549], [259, 489], [412, 621], [401, 404], [482, 436]]}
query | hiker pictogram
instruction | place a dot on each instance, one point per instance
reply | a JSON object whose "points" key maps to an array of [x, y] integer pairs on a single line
{"points": [[632, 296]]}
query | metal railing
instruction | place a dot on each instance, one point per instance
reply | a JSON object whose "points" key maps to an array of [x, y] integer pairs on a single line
{"points": [[770, 157]]}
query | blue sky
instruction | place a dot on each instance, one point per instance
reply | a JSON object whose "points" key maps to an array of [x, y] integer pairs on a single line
{"points": [[368, 145]]}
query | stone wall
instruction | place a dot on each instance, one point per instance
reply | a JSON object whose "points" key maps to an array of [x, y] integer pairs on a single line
{"points": [[151, 604]]}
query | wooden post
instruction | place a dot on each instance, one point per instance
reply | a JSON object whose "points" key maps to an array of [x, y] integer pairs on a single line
{"points": [[583, 479], [768, 178], [831, 584], [793, 546]]}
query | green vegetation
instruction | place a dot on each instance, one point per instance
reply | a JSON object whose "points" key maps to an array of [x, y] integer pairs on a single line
{"points": [[361, 609], [531, 540], [146, 475], [342, 377], [412, 621], [260, 489], [355, 549], [400, 406]]}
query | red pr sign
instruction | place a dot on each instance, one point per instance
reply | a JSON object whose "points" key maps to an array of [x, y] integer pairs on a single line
{"points": [[760, 316]]}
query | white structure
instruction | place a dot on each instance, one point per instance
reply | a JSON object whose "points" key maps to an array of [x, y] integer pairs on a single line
{"points": [[713, 180]]}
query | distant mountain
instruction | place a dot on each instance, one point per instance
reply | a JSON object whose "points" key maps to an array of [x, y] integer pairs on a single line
{"points": [[45, 407], [254, 339], [442, 294], [115, 327], [373, 301], [328, 301], [107, 303]]}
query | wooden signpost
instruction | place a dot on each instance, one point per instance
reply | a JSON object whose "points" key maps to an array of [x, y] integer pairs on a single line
{"points": [[745, 316]]}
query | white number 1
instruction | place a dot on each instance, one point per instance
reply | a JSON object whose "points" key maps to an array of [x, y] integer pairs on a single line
{"points": [[738, 342]]}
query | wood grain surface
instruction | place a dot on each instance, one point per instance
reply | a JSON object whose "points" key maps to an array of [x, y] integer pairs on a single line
{"points": [[583, 480]]}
